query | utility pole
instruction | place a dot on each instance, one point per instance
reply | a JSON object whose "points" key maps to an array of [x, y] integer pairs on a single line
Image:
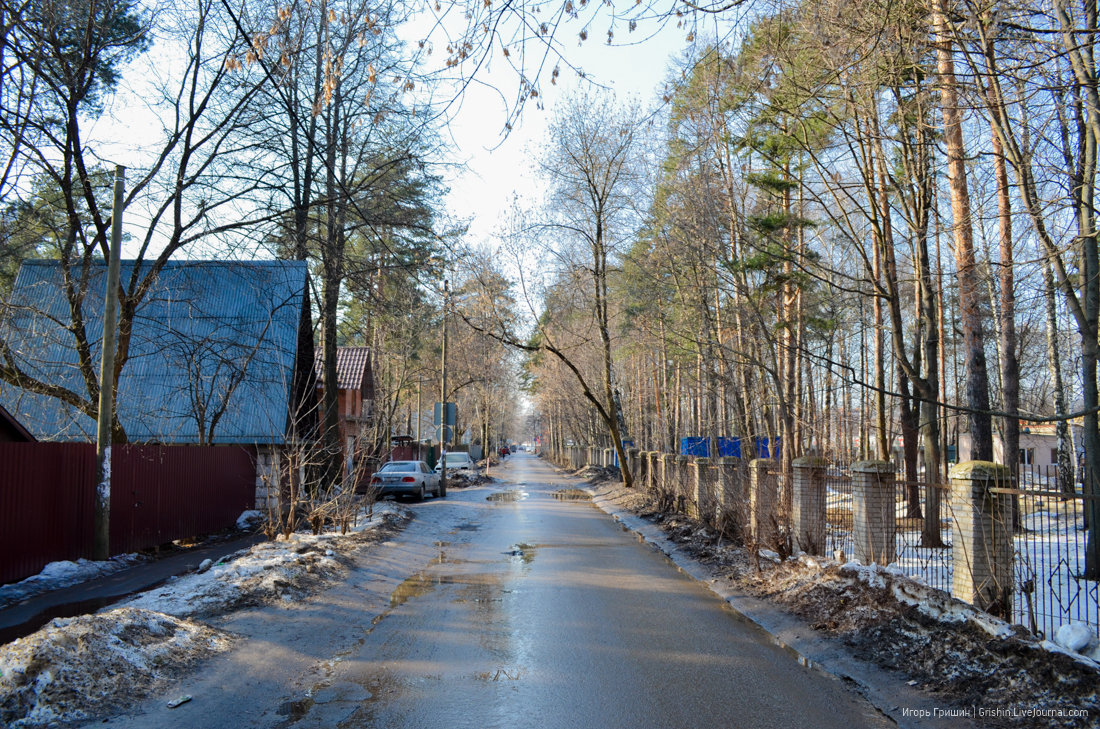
{"points": [[443, 391], [101, 545], [419, 382]]}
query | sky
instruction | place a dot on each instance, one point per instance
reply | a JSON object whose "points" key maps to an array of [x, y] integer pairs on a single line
{"points": [[499, 166], [485, 168]]}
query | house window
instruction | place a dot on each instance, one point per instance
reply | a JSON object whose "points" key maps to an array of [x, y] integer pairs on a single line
{"points": [[1053, 455], [1027, 456]]}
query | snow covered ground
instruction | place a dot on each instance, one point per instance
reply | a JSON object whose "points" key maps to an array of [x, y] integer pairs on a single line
{"points": [[76, 667], [282, 570]]}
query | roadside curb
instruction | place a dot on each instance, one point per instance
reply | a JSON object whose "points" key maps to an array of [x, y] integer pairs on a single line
{"points": [[891, 695]]}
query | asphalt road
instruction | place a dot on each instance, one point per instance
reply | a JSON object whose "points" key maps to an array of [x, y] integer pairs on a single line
{"points": [[551, 615], [504, 607]]}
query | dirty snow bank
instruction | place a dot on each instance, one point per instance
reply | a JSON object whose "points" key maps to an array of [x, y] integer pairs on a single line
{"points": [[940, 644], [56, 575], [76, 668], [286, 569], [461, 480], [598, 475]]}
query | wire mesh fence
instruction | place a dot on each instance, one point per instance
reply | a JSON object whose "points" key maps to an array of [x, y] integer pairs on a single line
{"points": [[1049, 560]]}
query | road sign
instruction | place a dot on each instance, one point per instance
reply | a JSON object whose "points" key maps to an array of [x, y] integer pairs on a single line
{"points": [[452, 413]]}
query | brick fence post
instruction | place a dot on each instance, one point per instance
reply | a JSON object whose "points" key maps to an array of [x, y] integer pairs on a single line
{"points": [[762, 502], [701, 499], [635, 463], [981, 544], [808, 505], [664, 482], [679, 482], [874, 512], [728, 496]]}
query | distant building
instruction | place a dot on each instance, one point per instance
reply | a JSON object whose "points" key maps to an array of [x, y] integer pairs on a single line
{"points": [[1038, 445]]}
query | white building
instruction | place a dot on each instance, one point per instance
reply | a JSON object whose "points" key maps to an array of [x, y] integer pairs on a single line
{"points": [[1038, 445]]}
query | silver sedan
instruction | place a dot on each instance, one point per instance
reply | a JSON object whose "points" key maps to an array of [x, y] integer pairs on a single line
{"points": [[406, 478]]}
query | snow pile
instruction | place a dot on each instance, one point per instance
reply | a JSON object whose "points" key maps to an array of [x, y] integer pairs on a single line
{"points": [[56, 575], [75, 668], [286, 569], [1074, 637], [463, 479], [249, 519], [598, 474]]}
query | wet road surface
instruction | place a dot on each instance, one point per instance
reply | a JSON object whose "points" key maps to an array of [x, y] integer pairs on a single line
{"points": [[541, 611]]}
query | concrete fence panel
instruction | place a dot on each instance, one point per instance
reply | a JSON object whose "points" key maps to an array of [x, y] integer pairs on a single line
{"points": [[729, 495]]}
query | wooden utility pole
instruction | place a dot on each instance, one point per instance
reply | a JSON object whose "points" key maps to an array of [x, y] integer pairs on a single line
{"points": [[101, 546]]}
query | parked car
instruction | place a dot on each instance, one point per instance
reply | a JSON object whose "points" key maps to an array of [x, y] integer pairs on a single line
{"points": [[456, 461], [407, 478]]}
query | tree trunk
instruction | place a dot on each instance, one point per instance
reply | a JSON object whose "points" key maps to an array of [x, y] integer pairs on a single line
{"points": [[977, 376], [1066, 455]]}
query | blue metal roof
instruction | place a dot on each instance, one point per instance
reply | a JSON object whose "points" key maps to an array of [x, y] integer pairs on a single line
{"points": [[202, 326]]}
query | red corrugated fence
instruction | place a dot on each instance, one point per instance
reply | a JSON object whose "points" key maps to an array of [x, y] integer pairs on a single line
{"points": [[158, 494]]}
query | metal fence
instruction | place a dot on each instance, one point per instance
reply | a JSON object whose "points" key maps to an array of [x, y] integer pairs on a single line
{"points": [[158, 494], [1049, 541]]}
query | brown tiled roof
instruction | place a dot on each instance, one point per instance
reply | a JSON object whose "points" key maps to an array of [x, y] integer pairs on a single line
{"points": [[353, 371]]}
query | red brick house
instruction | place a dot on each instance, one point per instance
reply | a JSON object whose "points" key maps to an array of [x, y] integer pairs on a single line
{"points": [[355, 397]]}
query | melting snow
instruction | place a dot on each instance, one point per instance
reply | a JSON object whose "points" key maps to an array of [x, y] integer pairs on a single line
{"points": [[74, 667], [283, 569]]}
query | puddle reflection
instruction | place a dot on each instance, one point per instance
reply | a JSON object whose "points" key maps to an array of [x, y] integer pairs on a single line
{"points": [[571, 495], [507, 496]]}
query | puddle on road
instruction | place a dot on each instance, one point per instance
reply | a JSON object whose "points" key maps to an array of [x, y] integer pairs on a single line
{"points": [[419, 584], [424, 582], [295, 709], [525, 553], [444, 559], [507, 496], [571, 495], [501, 674]]}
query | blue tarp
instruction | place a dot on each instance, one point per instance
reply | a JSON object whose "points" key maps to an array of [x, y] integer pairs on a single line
{"points": [[695, 447], [615, 453], [727, 447]]}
